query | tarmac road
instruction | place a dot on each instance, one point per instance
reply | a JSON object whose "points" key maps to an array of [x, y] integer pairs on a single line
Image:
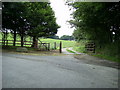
{"points": [[27, 71]]}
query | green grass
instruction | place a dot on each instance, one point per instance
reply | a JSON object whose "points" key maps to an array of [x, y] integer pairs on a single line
{"points": [[108, 52], [65, 43], [111, 58], [80, 46], [70, 51]]}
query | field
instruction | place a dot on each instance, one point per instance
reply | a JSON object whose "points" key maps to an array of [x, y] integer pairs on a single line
{"points": [[65, 43]]}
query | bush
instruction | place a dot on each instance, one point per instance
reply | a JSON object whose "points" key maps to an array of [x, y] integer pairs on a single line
{"points": [[109, 49]]}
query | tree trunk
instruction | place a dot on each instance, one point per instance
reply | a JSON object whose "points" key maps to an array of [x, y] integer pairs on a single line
{"points": [[35, 42], [14, 38], [22, 41], [110, 37], [3, 39], [6, 36]]}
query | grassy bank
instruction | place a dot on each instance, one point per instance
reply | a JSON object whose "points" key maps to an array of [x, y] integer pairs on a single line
{"points": [[80, 46], [111, 58], [70, 51], [108, 52]]}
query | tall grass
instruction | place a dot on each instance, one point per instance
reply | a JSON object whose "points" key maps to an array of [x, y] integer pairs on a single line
{"points": [[109, 51]]}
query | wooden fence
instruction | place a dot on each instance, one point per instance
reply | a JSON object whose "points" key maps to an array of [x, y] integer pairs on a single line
{"points": [[90, 47], [10, 42], [58, 45], [41, 46], [44, 46]]}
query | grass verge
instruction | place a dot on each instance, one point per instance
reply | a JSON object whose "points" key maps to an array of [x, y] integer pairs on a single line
{"points": [[111, 58], [70, 51], [31, 51], [79, 47], [109, 52]]}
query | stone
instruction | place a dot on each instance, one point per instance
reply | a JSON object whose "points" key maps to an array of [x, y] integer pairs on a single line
{"points": [[22, 49]]}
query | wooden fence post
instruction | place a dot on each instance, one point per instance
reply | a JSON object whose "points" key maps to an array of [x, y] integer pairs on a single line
{"points": [[94, 48], [3, 41], [7, 42], [60, 50], [48, 46], [54, 45]]}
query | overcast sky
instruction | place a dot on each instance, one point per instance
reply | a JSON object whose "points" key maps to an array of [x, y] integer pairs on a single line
{"points": [[62, 14]]}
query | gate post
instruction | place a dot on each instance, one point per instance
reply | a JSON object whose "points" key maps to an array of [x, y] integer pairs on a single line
{"points": [[54, 45], [94, 48], [48, 46], [60, 50], [7, 43]]}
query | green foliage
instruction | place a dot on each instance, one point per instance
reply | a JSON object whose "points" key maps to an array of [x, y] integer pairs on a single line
{"points": [[12, 15], [97, 21], [41, 19], [109, 50], [35, 19], [79, 35], [80, 46], [67, 37]]}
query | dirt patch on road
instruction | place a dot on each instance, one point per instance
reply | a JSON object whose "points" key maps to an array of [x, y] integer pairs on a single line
{"points": [[96, 61]]}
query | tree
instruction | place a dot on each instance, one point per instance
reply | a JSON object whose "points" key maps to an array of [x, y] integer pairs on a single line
{"points": [[42, 21], [98, 22], [79, 35], [13, 19], [35, 19], [96, 19]]}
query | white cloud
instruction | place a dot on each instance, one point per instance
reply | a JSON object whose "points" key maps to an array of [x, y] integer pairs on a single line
{"points": [[62, 14]]}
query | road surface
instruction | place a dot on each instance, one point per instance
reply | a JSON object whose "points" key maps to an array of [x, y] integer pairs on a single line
{"points": [[27, 71]]}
